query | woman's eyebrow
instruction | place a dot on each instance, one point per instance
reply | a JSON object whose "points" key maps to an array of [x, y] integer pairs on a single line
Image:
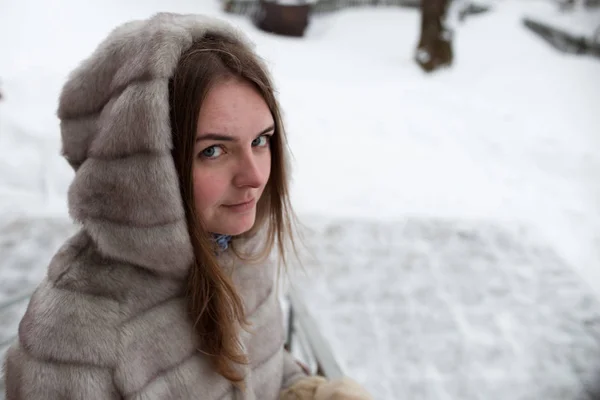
{"points": [[226, 138], [216, 136], [266, 130]]}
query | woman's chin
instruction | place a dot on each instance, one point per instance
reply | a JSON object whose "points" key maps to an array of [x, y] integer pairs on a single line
{"points": [[235, 226]]}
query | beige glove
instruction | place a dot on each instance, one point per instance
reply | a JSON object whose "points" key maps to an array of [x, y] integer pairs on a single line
{"points": [[342, 389], [318, 388], [304, 389]]}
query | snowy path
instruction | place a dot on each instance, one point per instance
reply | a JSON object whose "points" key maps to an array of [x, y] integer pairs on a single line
{"points": [[430, 309], [419, 309]]}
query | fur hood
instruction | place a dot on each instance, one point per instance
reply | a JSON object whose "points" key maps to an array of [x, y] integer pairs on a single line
{"points": [[116, 134]]}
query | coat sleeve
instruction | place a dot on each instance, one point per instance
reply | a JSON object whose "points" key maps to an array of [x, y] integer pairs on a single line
{"points": [[26, 378], [54, 357]]}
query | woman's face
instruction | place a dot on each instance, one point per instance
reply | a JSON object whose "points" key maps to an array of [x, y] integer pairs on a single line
{"points": [[232, 160]]}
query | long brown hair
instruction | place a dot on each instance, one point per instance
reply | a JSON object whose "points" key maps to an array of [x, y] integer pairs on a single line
{"points": [[214, 305]]}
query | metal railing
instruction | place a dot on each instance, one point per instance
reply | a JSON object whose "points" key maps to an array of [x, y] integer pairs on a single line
{"points": [[303, 330]]}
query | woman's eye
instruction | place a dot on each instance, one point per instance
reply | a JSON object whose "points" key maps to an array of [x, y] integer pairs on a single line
{"points": [[261, 141], [211, 152]]}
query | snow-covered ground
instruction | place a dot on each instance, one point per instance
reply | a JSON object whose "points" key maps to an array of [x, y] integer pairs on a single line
{"points": [[507, 138], [445, 309]]}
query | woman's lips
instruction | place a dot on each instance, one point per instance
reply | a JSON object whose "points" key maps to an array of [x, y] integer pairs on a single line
{"points": [[240, 207]]}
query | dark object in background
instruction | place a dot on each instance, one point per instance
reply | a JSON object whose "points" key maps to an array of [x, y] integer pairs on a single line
{"points": [[564, 41], [472, 9], [283, 19], [321, 7], [435, 44]]}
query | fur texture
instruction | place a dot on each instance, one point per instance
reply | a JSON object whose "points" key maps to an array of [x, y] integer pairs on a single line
{"points": [[109, 321]]}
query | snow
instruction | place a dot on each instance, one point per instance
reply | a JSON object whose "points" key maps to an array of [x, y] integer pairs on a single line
{"points": [[507, 138], [452, 310]]}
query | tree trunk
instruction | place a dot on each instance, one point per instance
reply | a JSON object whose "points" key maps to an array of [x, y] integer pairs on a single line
{"points": [[434, 49]]}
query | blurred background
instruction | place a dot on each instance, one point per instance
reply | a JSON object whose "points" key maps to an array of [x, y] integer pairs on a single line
{"points": [[446, 171]]}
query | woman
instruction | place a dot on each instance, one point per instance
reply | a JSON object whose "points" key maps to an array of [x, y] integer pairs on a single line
{"points": [[181, 192]]}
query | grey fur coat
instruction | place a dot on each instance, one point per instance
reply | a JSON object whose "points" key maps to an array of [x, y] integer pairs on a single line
{"points": [[109, 320]]}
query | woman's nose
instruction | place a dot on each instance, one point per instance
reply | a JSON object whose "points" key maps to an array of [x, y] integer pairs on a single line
{"points": [[250, 171]]}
